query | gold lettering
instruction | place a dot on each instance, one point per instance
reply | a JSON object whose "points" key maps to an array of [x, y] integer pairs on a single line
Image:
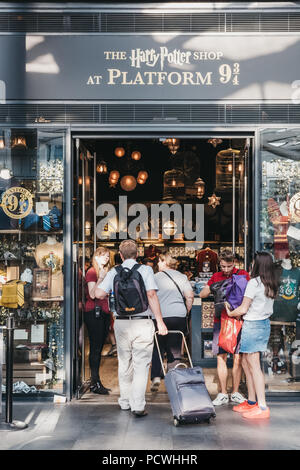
{"points": [[113, 74], [90, 81], [138, 79], [201, 80]]}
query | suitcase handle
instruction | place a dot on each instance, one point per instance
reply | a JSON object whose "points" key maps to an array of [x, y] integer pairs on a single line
{"points": [[185, 345]]}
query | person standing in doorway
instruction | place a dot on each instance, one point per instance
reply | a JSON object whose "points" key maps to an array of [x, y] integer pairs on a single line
{"points": [[256, 309], [97, 316], [226, 263], [175, 295], [134, 332]]}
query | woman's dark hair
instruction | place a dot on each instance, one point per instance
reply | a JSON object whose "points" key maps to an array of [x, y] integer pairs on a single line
{"points": [[264, 267]]}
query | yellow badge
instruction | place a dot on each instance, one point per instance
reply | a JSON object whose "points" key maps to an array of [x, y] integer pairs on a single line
{"points": [[17, 202], [295, 208]]}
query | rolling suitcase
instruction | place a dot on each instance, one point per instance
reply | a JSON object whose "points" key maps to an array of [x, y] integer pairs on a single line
{"points": [[189, 398]]}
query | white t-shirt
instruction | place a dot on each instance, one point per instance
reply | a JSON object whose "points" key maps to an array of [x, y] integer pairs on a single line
{"points": [[261, 306], [146, 272]]}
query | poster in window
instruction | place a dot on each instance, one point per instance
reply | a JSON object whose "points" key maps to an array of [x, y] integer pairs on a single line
{"points": [[42, 283]]}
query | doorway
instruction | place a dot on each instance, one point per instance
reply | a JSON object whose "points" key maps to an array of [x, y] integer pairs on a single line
{"points": [[215, 172]]}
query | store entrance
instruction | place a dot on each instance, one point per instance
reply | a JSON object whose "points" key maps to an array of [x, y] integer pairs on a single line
{"points": [[186, 194]]}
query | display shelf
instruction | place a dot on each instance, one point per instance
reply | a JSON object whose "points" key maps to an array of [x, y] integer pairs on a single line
{"points": [[22, 232], [50, 299]]}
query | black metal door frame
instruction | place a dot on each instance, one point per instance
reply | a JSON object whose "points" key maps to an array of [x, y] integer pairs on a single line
{"points": [[79, 388]]}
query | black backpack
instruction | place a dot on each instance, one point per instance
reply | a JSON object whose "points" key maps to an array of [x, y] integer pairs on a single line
{"points": [[129, 291]]}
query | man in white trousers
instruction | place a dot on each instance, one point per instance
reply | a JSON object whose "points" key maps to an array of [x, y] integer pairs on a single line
{"points": [[134, 334]]}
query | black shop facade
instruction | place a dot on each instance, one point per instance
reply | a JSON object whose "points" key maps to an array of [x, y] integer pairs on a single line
{"points": [[173, 126]]}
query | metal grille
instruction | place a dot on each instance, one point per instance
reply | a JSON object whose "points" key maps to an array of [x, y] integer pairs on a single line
{"points": [[142, 22], [221, 114]]}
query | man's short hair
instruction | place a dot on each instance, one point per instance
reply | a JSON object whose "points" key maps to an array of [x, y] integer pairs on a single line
{"points": [[128, 249], [227, 256]]}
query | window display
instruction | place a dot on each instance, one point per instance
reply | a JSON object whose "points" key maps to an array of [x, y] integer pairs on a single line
{"points": [[279, 228], [32, 255]]}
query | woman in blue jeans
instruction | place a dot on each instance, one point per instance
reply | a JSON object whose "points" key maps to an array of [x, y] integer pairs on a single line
{"points": [[256, 308]]}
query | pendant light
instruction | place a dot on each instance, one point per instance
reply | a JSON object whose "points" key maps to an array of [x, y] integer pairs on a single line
{"points": [[142, 177], [119, 152], [200, 188], [136, 155], [172, 144], [224, 168], [214, 142], [113, 178], [174, 186], [102, 168], [19, 141], [128, 183]]}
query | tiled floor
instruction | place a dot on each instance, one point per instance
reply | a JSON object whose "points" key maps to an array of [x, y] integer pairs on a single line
{"points": [[84, 425]]}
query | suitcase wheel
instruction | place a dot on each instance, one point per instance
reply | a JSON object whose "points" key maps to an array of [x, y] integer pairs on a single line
{"points": [[176, 422]]}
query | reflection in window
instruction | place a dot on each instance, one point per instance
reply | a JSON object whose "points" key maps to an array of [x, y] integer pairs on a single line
{"points": [[280, 234]]}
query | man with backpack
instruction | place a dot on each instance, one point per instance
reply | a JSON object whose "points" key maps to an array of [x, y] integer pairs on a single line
{"points": [[226, 262], [134, 289]]}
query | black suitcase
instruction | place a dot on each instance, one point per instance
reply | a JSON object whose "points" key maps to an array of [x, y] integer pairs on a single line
{"points": [[189, 398]]}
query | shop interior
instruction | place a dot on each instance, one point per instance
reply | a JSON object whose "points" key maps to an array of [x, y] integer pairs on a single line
{"points": [[169, 170], [184, 170]]}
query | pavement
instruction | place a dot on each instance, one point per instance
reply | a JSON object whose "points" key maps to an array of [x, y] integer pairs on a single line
{"points": [[88, 425]]}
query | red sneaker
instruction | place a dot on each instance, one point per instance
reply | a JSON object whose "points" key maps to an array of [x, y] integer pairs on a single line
{"points": [[257, 413], [244, 407]]}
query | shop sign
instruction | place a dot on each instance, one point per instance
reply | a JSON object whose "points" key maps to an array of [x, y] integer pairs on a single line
{"points": [[17, 202], [144, 67]]}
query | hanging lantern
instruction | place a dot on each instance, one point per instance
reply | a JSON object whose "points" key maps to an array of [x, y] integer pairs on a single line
{"points": [[214, 201], [2, 144], [119, 152], [214, 142], [87, 228], [80, 180], [136, 155], [113, 178], [102, 168], [196, 190], [128, 183], [174, 184], [173, 144], [142, 177], [19, 142], [200, 188], [224, 168]]}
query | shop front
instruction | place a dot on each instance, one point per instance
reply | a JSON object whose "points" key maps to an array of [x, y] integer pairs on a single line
{"points": [[177, 129]]}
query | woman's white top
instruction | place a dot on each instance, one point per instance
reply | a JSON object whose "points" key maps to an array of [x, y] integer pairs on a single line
{"points": [[261, 306]]}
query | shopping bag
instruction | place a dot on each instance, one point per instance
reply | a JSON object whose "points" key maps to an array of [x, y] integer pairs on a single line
{"points": [[230, 328]]}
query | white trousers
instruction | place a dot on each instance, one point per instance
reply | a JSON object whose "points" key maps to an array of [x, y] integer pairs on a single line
{"points": [[134, 345]]}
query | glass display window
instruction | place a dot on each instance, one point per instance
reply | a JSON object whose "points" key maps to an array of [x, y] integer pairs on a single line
{"points": [[32, 254], [279, 233]]}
